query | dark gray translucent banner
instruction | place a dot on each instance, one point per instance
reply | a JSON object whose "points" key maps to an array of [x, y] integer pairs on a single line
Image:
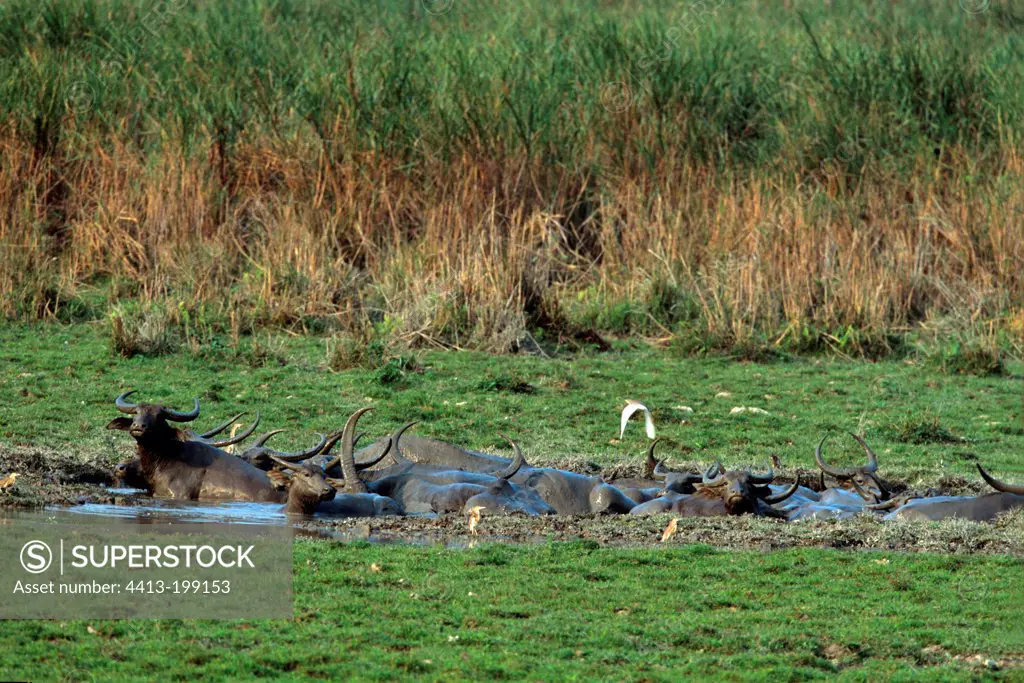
{"points": [[61, 566]]}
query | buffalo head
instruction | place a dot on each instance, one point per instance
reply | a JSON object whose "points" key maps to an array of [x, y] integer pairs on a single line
{"points": [[741, 491], [309, 486], [861, 479], [149, 421]]}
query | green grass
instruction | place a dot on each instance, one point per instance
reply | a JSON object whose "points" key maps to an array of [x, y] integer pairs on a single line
{"points": [[58, 383], [571, 610], [553, 610], [754, 83]]}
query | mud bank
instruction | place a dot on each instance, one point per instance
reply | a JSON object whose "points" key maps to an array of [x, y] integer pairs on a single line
{"points": [[50, 478]]}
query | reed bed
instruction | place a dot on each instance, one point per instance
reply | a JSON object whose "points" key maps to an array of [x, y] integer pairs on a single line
{"points": [[792, 176]]}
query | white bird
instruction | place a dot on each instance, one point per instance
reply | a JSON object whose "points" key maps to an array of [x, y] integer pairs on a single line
{"points": [[474, 517], [627, 412]]}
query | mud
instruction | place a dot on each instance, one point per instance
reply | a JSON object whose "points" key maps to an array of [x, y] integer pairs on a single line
{"points": [[50, 478], [1005, 536]]}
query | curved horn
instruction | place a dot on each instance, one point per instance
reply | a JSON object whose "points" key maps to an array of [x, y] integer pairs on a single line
{"points": [[238, 438], [367, 464], [651, 464], [177, 416], [825, 467], [396, 452], [887, 505], [761, 479], [714, 475], [779, 497], [123, 405], [263, 438], [285, 463], [517, 462], [348, 463], [866, 495], [336, 437], [998, 485], [219, 428], [300, 455], [872, 465], [659, 471]]}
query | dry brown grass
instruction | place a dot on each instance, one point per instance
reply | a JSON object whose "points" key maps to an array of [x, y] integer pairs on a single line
{"points": [[474, 252]]}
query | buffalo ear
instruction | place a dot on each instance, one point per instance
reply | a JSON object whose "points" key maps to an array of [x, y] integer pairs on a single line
{"points": [[122, 423]]}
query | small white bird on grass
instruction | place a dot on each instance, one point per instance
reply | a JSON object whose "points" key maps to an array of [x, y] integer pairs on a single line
{"points": [[627, 412]]}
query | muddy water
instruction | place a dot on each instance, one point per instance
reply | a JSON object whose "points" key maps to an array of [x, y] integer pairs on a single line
{"points": [[135, 507], [157, 511]]}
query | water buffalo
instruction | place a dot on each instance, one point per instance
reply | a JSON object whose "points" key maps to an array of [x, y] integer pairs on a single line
{"points": [[174, 466], [862, 480], [724, 493], [421, 488], [565, 492], [433, 453], [568, 493], [129, 473], [819, 511], [654, 480], [983, 508], [312, 492]]}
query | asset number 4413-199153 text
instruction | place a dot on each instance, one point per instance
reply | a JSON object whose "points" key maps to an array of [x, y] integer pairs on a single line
{"points": [[194, 586]]}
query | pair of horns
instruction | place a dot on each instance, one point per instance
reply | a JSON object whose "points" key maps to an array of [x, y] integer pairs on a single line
{"points": [[349, 468], [715, 476], [282, 456], [238, 438], [846, 472], [173, 415]]}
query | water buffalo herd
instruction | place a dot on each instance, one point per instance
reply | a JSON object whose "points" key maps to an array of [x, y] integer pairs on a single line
{"points": [[408, 474]]}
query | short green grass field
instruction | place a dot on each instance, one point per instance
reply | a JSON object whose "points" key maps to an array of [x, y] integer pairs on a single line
{"points": [[570, 610], [554, 610]]}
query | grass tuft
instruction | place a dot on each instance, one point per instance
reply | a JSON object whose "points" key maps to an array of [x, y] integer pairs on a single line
{"points": [[144, 333]]}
